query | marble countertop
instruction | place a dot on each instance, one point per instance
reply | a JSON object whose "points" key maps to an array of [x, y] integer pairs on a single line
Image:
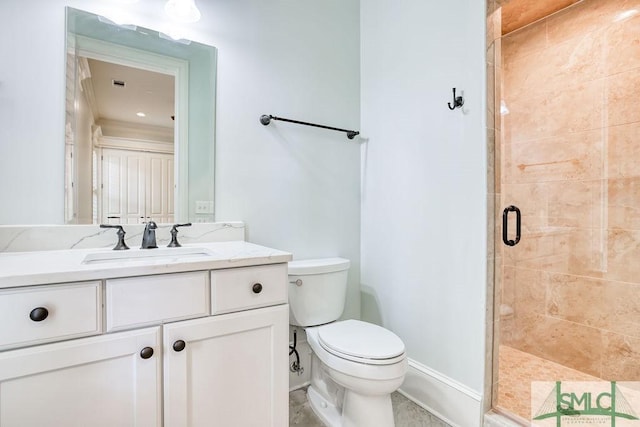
{"points": [[62, 266]]}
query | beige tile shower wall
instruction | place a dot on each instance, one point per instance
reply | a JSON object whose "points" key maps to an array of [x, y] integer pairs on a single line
{"points": [[570, 159]]}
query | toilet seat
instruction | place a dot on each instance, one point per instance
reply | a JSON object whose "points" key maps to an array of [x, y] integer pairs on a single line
{"points": [[361, 342]]}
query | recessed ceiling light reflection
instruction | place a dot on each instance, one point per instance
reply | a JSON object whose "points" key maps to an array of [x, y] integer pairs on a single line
{"points": [[141, 114], [626, 15]]}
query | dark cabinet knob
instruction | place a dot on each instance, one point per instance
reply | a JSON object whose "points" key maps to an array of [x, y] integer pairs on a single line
{"points": [[179, 345], [257, 288], [38, 314], [146, 352]]}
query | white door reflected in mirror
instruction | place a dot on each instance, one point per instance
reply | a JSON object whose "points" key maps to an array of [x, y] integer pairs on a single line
{"points": [[136, 187]]}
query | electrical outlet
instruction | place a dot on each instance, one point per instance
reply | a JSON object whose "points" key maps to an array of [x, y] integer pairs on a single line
{"points": [[204, 207]]}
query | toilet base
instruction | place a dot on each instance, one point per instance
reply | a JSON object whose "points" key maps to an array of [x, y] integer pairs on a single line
{"points": [[357, 411], [324, 409]]}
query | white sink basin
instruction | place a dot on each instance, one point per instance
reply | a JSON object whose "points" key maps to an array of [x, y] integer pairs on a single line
{"points": [[157, 254]]}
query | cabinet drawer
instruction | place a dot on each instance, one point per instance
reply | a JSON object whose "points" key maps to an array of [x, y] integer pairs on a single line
{"points": [[46, 313], [138, 301], [243, 288]]}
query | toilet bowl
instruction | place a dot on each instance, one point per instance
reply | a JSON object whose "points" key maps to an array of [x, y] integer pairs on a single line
{"points": [[355, 365]]}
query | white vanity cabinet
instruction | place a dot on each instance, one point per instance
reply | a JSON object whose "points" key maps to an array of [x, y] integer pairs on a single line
{"points": [[228, 370], [161, 354], [232, 369], [42, 314], [100, 381]]}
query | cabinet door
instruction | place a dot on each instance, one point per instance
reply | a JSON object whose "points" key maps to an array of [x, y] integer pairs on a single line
{"points": [[233, 370], [99, 381]]}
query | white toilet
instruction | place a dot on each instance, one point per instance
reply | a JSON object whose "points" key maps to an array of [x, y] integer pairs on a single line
{"points": [[355, 365]]}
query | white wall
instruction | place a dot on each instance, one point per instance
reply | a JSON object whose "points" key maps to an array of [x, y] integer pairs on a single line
{"points": [[424, 180], [296, 187]]}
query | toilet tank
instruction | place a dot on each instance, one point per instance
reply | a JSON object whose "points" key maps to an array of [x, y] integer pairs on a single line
{"points": [[317, 290]]}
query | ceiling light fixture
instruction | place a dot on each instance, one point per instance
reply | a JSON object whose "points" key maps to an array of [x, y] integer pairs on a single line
{"points": [[182, 11], [141, 114]]}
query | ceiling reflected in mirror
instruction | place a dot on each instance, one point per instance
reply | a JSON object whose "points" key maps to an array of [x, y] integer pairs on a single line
{"points": [[121, 93]]}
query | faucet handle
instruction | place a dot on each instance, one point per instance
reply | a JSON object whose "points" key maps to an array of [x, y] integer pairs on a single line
{"points": [[121, 245], [174, 235]]}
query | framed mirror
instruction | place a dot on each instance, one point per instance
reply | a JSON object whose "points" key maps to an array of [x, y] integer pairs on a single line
{"points": [[139, 130]]}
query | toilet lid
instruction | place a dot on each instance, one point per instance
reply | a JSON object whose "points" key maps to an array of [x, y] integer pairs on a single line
{"points": [[361, 340]]}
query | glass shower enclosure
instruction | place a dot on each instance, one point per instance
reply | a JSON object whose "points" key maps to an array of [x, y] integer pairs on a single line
{"points": [[567, 190]]}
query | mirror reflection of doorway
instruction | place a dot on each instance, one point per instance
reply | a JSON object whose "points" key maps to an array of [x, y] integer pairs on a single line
{"points": [[135, 186], [123, 145]]}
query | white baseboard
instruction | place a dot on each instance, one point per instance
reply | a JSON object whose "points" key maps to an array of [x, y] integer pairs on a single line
{"points": [[298, 386], [454, 403], [493, 419]]}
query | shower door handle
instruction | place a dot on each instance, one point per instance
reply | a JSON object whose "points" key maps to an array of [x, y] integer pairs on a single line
{"points": [[505, 225]]}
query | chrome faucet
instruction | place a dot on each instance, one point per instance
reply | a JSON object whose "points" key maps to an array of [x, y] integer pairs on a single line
{"points": [[149, 236]]}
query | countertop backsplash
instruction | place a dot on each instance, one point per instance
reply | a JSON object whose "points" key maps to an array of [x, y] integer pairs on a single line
{"points": [[28, 238]]}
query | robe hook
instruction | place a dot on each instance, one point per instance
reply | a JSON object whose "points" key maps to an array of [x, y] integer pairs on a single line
{"points": [[458, 101]]}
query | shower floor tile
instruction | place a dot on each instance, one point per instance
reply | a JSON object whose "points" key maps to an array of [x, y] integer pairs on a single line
{"points": [[516, 371]]}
